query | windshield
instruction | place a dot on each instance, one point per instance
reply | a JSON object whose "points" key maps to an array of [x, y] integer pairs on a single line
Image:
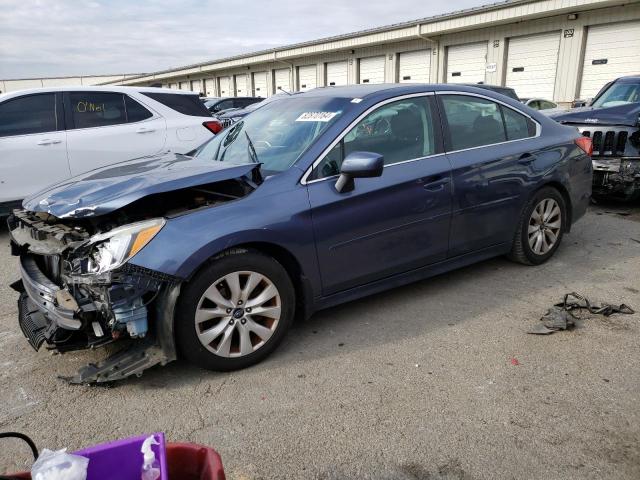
{"points": [[277, 134], [619, 94]]}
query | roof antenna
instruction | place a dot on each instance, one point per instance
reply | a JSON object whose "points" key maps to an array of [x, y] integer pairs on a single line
{"points": [[283, 90]]}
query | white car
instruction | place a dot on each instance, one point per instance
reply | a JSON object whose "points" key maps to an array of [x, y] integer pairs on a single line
{"points": [[544, 106], [51, 134]]}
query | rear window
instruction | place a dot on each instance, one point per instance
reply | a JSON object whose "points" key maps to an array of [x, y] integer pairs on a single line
{"points": [[185, 104]]}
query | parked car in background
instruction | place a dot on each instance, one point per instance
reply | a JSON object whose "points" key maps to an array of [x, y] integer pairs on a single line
{"points": [[545, 106], [313, 200], [612, 121], [507, 91], [229, 117], [218, 105], [50, 134]]}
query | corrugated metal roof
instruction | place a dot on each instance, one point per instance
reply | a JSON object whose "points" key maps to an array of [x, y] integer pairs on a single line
{"points": [[385, 28]]}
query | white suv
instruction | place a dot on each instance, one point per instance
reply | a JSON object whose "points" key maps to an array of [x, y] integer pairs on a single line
{"points": [[50, 134]]}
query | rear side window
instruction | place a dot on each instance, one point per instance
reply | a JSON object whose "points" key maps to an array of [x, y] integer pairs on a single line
{"points": [[135, 111], [186, 104], [97, 109], [475, 122], [27, 115], [516, 125]]}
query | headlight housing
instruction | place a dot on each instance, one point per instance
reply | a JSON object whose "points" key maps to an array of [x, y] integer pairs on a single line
{"points": [[112, 249]]}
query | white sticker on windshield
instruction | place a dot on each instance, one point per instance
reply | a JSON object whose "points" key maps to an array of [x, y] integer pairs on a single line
{"points": [[316, 116]]}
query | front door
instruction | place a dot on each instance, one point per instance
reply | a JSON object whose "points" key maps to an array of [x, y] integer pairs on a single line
{"points": [[389, 224]]}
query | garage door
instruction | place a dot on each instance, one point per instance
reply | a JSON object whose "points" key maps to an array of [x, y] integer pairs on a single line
{"points": [[173, 85], [415, 67], [611, 51], [337, 73], [184, 86], [241, 86], [307, 77], [209, 89], [196, 86], [466, 63], [260, 84], [371, 70], [532, 62], [225, 86], [282, 78]]}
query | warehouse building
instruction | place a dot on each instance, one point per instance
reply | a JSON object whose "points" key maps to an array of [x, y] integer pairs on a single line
{"points": [[86, 80], [555, 49]]}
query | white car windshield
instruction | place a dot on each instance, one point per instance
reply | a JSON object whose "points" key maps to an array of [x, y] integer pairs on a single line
{"points": [[619, 94], [276, 134]]}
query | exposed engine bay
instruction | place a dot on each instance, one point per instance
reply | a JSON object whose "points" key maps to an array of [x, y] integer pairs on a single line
{"points": [[78, 290]]}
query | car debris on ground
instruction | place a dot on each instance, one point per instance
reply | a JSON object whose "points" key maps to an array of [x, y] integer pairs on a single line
{"points": [[561, 316]]}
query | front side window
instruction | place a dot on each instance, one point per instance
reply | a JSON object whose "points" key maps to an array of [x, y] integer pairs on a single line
{"points": [[28, 115], [475, 122], [399, 131], [97, 109]]}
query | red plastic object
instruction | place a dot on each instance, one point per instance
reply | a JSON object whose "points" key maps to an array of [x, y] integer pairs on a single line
{"points": [[187, 461]]}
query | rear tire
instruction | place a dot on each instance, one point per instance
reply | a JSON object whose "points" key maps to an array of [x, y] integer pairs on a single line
{"points": [[235, 311], [540, 228]]}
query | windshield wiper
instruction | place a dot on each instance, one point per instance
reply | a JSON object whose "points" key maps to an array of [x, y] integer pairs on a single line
{"points": [[252, 150]]}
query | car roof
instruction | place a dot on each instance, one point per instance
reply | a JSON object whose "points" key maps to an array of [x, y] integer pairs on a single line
{"points": [[96, 88], [394, 89], [630, 78]]}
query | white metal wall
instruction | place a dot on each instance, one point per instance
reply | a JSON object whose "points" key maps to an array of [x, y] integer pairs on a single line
{"points": [[307, 77], [532, 61], [372, 70], [611, 51], [260, 86], [414, 67], [467, 63]]}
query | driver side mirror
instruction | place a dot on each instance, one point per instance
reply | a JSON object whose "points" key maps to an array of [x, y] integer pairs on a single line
{"points": [[359, 165]]}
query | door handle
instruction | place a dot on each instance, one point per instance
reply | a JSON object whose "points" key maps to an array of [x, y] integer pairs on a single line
{"points": [[48, 141], [527, 158], [436, 185], [145, 130]]}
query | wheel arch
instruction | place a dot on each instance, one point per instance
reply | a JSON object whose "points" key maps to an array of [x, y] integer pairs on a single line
{"points": [[565, 196], [301, 284]]}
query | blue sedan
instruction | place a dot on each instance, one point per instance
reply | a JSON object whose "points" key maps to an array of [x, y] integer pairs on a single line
{"points": [[315, 200]]}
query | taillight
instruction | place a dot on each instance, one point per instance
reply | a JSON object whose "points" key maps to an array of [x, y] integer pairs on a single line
{"points": [[585, 144], [213, 126]]}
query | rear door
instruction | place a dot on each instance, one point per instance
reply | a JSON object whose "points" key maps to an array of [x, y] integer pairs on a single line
{"points": [[109, 127], [492, 154], [389, 224], [33, 145]]}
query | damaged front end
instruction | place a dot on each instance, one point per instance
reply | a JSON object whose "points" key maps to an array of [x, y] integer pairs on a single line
{"points": [[77, 292], [616, 160]]}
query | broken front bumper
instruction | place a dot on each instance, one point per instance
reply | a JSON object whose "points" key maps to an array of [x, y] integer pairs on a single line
{"points": [[618, 177]]}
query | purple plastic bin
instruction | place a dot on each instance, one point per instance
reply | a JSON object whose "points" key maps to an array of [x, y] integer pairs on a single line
{"points": [[122, 459]]}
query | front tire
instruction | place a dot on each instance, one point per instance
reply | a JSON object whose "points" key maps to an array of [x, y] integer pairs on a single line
{"points": [[235, 311], [540, 228]]}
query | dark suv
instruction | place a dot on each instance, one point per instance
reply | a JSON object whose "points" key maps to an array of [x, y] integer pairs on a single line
{"points": [[612, 120]]}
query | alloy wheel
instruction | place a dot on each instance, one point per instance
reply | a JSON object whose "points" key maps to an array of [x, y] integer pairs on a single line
{"points": [[238, 314], [544, 226]]}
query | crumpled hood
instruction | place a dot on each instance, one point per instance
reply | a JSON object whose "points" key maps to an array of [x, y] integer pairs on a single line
{"points": [[109, 188], [619, 115]]}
